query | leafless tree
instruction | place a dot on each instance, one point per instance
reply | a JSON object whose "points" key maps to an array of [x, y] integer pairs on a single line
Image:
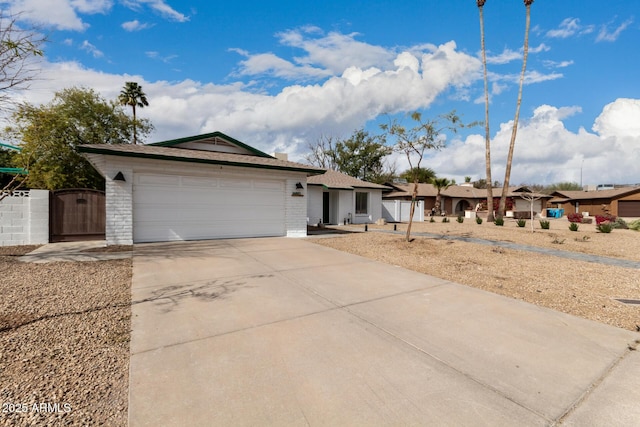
{"points": [[19, 50], [322, 153]]}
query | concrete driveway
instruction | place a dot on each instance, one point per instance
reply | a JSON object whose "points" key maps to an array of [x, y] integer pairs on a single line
{"points": [[280, 331]]}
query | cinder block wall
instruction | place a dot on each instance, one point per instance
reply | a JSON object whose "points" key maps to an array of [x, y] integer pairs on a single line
{"points": [[24, 218], [296, 208]]}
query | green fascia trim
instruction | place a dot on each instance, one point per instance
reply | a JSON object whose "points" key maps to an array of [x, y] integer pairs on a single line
{"points": [[19, 171], [172, 142], [11, 147], [187, 160]]}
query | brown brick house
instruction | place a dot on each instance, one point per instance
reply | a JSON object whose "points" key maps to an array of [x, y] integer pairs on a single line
{"points": [[623, 202]]}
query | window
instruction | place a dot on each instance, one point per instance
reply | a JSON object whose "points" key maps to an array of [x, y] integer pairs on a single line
{"points": [[362, 203]]}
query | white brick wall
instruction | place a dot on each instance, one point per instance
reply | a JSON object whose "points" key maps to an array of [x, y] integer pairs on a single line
{"points": [[119, 206], [296, 208], [24, 218]]}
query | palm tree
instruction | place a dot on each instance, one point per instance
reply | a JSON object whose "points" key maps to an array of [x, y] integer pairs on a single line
{"points": [[514, 131], [133, 96], [421, 174], [440, 184], [487, 134]]}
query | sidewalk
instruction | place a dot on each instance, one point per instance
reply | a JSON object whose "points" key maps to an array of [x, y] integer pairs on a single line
{"points": [[72, 251]]}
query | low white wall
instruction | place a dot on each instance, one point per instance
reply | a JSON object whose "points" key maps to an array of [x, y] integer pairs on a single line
{"points": [[400, 210], [24, 218]]}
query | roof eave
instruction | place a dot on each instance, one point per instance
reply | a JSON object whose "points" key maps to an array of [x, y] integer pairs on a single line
{"points": [[92, 150], [172, 142]]}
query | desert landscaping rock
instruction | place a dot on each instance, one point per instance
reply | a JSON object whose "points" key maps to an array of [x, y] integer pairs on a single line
{"points": [[64, 342]]}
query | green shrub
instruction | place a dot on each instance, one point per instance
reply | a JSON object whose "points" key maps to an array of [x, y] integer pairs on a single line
{"points": [[432, 220], [605, 227], [479, 221], [620, 224], [634, 225], [460, 219], [521, 222], [573, 226], [544, 224], [499, 222], [445, 219]]}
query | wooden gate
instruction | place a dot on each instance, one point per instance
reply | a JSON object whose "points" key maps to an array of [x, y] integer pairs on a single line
{"points": [[76, 214]]}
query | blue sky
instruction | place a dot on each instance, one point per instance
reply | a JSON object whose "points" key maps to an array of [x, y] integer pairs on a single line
{"points": [[277, 75]]}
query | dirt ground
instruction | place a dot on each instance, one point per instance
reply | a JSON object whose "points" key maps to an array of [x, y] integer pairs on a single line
{"points": [[64, 341], [580, 288]]}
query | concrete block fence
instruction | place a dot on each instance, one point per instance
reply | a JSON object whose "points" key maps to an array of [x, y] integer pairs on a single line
{"points": [[24, 218]]}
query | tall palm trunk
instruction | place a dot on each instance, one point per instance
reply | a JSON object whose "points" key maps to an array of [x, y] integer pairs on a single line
{"points": [[487, 134], [135, 133], [514, 131]]}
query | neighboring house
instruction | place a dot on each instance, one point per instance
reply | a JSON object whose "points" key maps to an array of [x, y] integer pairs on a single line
{"points": [[624, 202], [456, 199], [336, 198], [200, 187]]}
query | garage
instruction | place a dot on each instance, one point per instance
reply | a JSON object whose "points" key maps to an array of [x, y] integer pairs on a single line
{"points": [[629, 208], [207, 186], [218, 207]]}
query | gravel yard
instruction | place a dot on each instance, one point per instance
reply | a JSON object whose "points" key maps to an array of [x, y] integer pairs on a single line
{"points": [[576, 287], [64, 341]]}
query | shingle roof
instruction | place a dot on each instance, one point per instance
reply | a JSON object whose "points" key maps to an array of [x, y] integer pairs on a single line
{"points": [[338, 180], [197, 156], [600, 194]]}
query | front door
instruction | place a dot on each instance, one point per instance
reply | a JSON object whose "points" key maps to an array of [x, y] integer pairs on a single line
{"points": [[325, 208]]}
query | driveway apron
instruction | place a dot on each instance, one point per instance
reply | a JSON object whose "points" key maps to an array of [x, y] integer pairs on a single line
{"points": [[278, 331]]}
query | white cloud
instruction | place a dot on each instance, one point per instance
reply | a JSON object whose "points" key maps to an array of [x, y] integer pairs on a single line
{"points": [[547, 152], [91, 6], [570, 27], [322, 56], [66, 14], [554, 64], [94, 51], [135, 25], [611, 36], [160, 6], [296, 113], [60, 14], [620, 118], [509, 55], [156, 55], [335, 51], [505, 57], [272, 65]]}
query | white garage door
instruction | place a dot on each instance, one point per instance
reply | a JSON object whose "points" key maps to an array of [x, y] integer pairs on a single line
{"points": [[172, 207]]}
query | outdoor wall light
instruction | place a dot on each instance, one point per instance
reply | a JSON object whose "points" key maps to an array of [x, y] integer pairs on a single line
{"points": [[299, 186], [119, 177]]}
